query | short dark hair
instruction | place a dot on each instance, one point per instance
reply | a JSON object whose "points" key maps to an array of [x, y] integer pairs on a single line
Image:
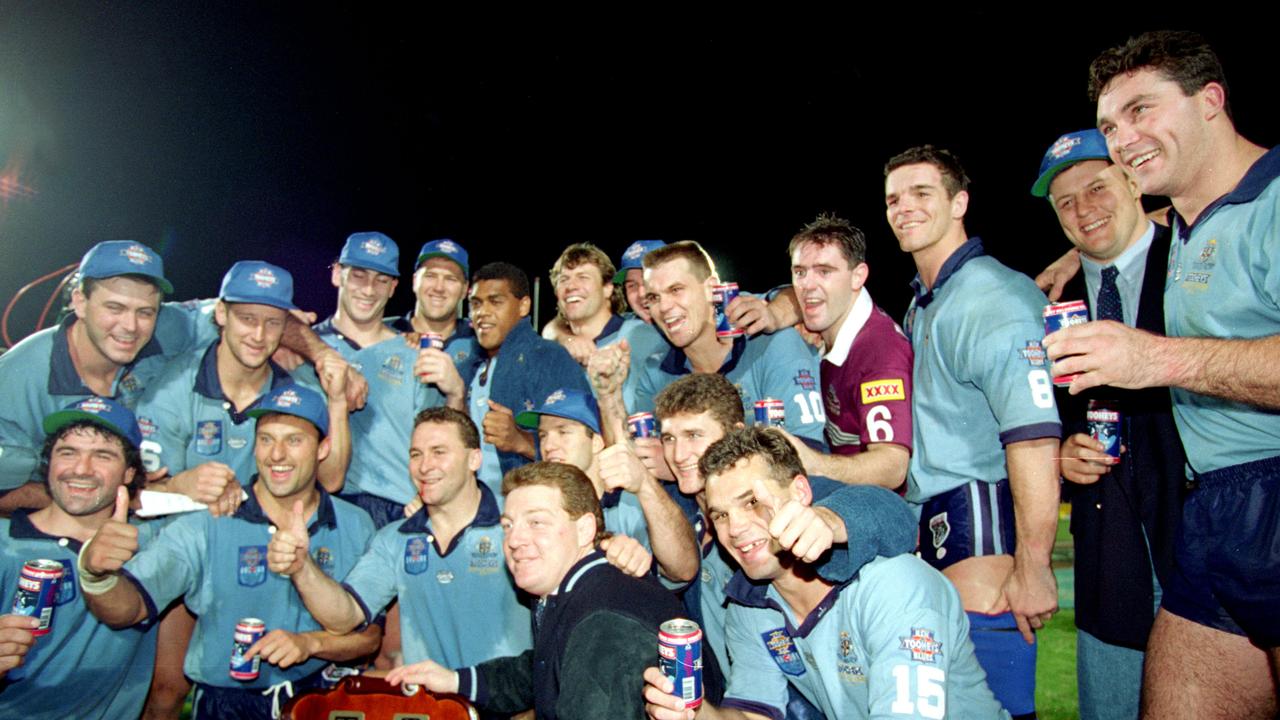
{"points": [[828, 229], [1181, 56], [698, 393], [586, 253], [86, 285], [132, 455], [517, 280], [577, 494], [954, 178], [744, 443], [700, 262], [448, 416]]}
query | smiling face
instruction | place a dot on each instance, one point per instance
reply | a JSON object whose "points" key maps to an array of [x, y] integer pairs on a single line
{"points": [[541, 541], [582, 294], [742, 520], [685, 437], [679, 302], [250, 332], [495, 310], [1158, 132], [287, 450], [439, 286], [568, 441], [117, 318], [920, 211], [633, 288], [1099, 208], [362, 293], [825, 285], [441, 465], [86, 465]]}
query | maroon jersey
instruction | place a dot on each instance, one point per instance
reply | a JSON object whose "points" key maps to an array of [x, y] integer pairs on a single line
{"points": [[866, 381]]}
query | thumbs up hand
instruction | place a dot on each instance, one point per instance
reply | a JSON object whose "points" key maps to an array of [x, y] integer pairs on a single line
{"points": [[114, 543], [289, 546], [804, 531]]}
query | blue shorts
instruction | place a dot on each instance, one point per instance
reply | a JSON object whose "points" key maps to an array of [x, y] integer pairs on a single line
{"points": [[383, 511], [1226, 571], [245, 703], [970, 521]]}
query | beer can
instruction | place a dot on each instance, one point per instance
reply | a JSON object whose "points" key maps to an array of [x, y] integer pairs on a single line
{"points": [[721, 296], [771, 412], [680, 658], [642, 425], [431, 340], [1103, 418], [1064, 315], [38, 592], [248, 632]]}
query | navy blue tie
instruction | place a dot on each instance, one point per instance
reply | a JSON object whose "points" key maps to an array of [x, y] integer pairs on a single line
{"points": [[1109, 306]]}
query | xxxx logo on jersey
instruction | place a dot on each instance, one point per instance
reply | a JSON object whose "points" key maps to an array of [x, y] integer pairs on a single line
{"points": [[883, 391]]}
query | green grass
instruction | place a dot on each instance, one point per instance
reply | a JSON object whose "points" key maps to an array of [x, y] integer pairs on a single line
{"points": [[1056, 669]]}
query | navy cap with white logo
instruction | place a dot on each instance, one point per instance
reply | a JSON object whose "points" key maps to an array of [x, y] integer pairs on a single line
{"points": [[1067, 151], [101, 411], [258, 282], [124, 257], [296, 400], [570, 404], [633, 257], [445, 248], [371, 251]]}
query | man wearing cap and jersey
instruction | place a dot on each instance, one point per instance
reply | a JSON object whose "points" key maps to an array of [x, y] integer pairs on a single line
{"points": [[81, 668], [630, 276], [193, 415], [1125, 511], [402, 380], [439, 285], [219, 566], [634, 503]]}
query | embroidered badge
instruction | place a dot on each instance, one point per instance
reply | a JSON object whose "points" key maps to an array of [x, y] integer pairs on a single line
{"points": [[250, 570], [921, 645], [783, 651], [415, 555], [209, 437]]}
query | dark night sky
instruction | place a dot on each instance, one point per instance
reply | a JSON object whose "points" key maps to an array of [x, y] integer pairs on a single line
{"points": [[217, 134]]}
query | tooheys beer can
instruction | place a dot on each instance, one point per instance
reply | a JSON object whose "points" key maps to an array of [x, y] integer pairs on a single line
{"points": [[431, 340], [1104, 425], [248, 632], [38, 592], [642, 425], [722, 295], [1063, 315], [680, 658], [771, 412]]}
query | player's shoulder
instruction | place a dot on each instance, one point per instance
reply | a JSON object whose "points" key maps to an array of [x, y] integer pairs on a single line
{"points": [[32, 352], [348, 516]]}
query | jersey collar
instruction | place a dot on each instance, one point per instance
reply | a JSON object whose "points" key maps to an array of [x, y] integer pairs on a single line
{"points": [[972, 248], [745, 591], [487, 515], [858, 316], [21, 527], [208, 385], [251, 510], [675, 362], [1258, 178], [63, 378], [326, 327], [611, 327]]}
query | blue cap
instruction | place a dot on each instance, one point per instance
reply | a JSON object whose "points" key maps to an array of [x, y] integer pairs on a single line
{"points": [[569, 404], [258, 282], [108, 413], [633, 257], [371, 251], [444, 248], [124, 257], [296, 400], [1067, 151]]}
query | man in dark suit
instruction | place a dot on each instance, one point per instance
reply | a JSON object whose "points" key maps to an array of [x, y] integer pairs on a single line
{"points": [[1124, 510]]}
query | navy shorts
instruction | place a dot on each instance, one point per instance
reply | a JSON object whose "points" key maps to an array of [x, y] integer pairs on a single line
{"points": [[972, 520], [246, 703], [383, 511], [1227, 555]]}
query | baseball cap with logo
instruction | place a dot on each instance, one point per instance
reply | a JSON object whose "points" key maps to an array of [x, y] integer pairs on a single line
{"points": [[296, 400], [371, 251], [124, 257], [570, 404], [258, 282], [633, 257], [100, 411], [1067, 151], [444, 248]]}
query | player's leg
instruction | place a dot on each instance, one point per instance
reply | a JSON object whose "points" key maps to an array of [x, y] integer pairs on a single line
{"points": [[1194, 671], [169, 686]]}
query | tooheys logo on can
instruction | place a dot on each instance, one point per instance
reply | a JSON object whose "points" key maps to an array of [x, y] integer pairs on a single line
{"points": [[1103, 418], [680, 658], [430, 340], [721, 296], [771, 412], [248, 632], [38, 593], [642, 425], [1064, 315]]}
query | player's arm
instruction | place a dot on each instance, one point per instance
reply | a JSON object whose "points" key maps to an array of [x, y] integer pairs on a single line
{"points": [[1031, 589], [301, 339], [328, 602], [608, 370], [332, 470], [1053, 279], [754, 315], [1111, 353], [670, 534], [283, 648], [117, 604], [15, 640], [31, 496], [883, 464]]}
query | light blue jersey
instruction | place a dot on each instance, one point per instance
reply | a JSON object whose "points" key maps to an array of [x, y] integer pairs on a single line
{"points": [[893, 642], [39, 378], [780, 366], [716, 572], [1224, 282], [623, 514], [644, 339], [186, 420], [981, 379], [380, 432], [477, 407], [82, 668], [458, 606], [219, 565]]}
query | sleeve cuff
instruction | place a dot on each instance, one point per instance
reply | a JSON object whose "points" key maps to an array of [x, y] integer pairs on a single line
{"points": [[470, 686], [364, 608], [1031, 432], [153, 615]]}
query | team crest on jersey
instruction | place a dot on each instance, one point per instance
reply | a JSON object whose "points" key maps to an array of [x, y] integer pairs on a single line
{"points": [[373, 246], [1206, 255], [209, 437], [847, 661], [940, 529], [806, 380], [250, 570], [460, 356], [392, 370], [147, 427], [883, 390], [324, 558], [783, 651], [832, 401], [130, 384], [415, 555], [263, 278], [1063, 146], [1033, 353], [921, 645], [67, 586], [484, 560]]}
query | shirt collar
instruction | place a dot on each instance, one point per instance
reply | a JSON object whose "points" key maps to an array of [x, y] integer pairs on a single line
{"points": [[326, 327], [611, 327], [675, 362], [580, 569], [21, 527], [1131, 264], [752, 593], [63, 378], [1258, 178], [972, 248], [251, 510], [857, 318], [611, 498], [487, 515], [209, 385]]}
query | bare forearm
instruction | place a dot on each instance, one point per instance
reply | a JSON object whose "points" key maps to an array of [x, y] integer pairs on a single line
{"points": [[785, 308], [670, 534], [1238, 370], [120, 607], [613, 417], [327, 601], [350, 646], [301, 339], [883, 464], [332, 471], [1033, 479]]}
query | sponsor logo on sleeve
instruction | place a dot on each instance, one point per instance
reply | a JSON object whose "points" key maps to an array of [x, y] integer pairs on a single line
{"points": [[921, 645], [883, 390]]}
